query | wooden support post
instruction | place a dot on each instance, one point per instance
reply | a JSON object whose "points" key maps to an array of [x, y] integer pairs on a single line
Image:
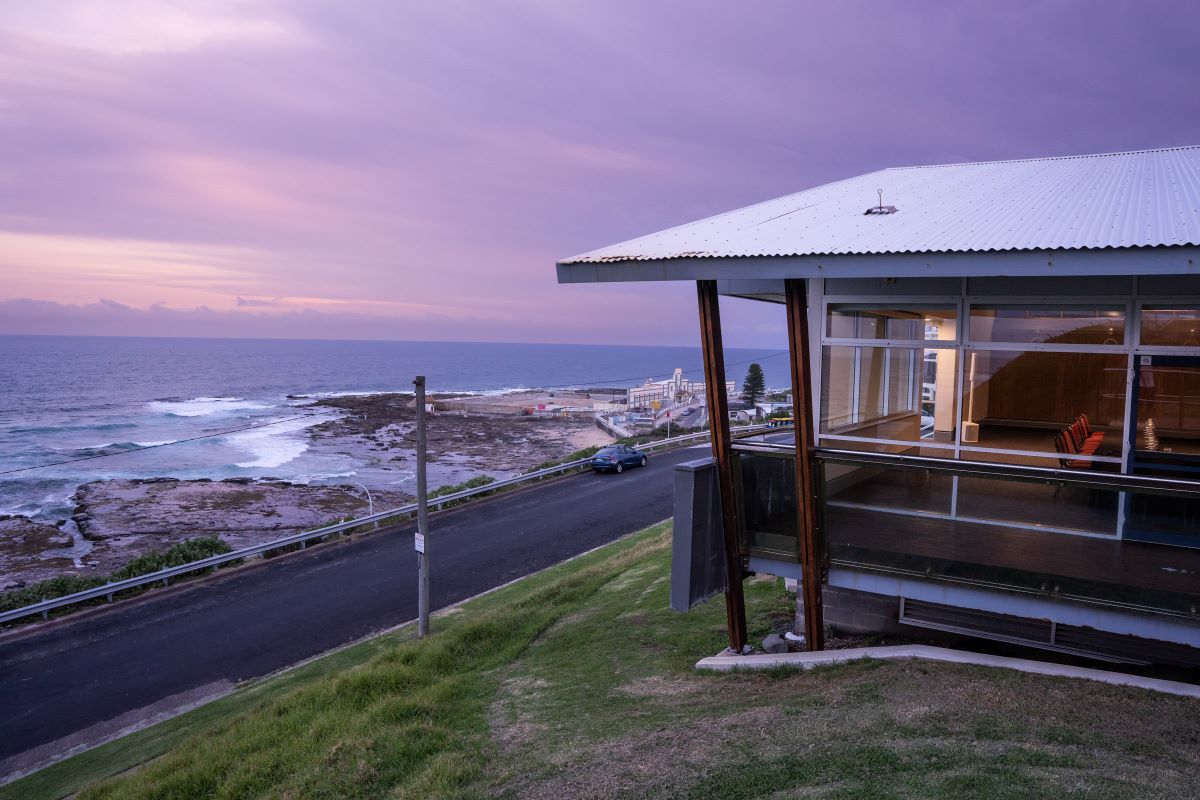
{"points": [[796, 295], [718, 418]]}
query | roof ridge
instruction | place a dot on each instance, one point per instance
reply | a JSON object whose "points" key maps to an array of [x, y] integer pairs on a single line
{"points": [[1047, 158]]}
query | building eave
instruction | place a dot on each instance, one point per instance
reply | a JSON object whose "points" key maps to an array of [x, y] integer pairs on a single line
{"points": [[1169, 260]]}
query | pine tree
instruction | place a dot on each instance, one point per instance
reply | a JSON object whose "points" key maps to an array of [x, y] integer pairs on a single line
{"points": [[754, 386]]}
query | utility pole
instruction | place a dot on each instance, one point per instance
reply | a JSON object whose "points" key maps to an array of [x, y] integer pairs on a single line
{"points": [[422, 516]]}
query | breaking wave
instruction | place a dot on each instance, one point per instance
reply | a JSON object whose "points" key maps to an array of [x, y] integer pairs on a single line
{"points": [[273, 445], [204, 406]]}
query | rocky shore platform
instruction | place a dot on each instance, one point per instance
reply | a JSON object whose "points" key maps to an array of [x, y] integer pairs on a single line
{"points": [[115, 521], [461, 443], [118, 520]]}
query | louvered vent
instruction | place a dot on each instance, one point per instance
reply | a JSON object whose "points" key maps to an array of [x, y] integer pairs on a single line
{"points": [[1045, 635]]}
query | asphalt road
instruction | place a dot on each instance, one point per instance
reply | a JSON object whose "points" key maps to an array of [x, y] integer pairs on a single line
{"points": [[76, 675]]}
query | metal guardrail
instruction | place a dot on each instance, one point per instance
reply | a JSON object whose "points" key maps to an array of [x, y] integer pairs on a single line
{"points": [[164, 576]]}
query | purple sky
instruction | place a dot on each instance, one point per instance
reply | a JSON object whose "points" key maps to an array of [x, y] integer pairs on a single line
{"points": [[412, 170]]}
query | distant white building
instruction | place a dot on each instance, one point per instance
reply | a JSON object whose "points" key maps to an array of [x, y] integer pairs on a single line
{"points": [[769, 407], [669, 391]]}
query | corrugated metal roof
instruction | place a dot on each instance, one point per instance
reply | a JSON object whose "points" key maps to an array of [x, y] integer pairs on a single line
{"points": [[1143, 198]]}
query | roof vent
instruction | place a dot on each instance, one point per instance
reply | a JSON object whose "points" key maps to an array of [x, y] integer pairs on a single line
{"points": [[881, 208]]}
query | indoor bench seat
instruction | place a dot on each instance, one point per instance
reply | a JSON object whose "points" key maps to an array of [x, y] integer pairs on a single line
{"points": [[1078, 439]]}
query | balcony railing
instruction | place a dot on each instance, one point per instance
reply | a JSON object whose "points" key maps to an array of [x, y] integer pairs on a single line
{"points": [[1084, 536]]}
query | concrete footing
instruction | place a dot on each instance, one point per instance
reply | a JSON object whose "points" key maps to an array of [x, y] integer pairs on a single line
{"points": [[729, 663]]}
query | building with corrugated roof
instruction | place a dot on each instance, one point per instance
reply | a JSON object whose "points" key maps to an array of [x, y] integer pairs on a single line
{"points": [[996, 385]]}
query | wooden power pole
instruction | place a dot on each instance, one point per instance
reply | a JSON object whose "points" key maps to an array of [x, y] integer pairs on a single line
{"points": [[421, 542]]}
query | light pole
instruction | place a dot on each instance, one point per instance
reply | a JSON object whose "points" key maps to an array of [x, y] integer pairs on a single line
{"points": [[422, 515], [370, 502]]}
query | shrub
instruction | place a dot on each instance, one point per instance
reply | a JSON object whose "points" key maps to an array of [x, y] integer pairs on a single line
{"points": [[473, 483], [586, 452], [185, 552], [46, 590]]}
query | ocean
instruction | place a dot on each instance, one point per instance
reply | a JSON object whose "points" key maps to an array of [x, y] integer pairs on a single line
{"points": [[104, 399]]}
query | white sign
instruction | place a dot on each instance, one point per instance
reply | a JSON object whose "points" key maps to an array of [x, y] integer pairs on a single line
{"points": [[419, 542]]}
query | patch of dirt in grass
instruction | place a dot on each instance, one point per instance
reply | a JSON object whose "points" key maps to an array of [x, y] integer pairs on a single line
{"points": [[658, 686], [566, 621], [628, 578], [648, 763], [654, 584], [510, 716]]}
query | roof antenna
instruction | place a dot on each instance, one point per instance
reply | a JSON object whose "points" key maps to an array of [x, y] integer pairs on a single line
{"points": [[881, 208]]}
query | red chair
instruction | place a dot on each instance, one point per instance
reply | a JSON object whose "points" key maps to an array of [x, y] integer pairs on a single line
{"points": [[1065, 443], [1085, 428]]}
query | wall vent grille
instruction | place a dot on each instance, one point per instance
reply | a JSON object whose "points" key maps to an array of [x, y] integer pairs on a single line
{"points": [[1045, 634]]}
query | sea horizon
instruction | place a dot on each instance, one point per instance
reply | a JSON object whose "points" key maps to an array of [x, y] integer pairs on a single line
{"points": [[72, 397]]}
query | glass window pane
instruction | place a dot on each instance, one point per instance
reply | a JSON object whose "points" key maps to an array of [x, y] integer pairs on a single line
{"points": [[1175, 327], [903, 323], [767, 487], [904, 394], [903, 386], [838, 407], [1002, 537], [1070, 404], [1168, 412], [1048, 324], [884, 488]]}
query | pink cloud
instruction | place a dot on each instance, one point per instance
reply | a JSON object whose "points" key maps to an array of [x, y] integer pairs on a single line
{"points": [[394, 160]]}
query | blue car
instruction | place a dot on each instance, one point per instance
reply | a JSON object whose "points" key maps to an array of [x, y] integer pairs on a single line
{"points": [[617, 457]]}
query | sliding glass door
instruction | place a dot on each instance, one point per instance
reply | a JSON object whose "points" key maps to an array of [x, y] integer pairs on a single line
{"points": [[1164, 440]]}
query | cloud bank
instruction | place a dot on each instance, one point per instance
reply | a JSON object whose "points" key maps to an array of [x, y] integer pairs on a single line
{"points": [[425, 164]]}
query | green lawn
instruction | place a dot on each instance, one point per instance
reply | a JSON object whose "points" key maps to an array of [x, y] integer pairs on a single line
{"points": [[578, 682]]}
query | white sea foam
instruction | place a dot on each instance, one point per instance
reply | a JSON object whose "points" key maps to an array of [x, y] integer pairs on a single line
{"points": [[501, 392], [274, 445], [204, 406], [323, 476]]}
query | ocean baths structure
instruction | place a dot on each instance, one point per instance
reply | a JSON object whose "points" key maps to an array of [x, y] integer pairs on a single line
{"points": [[996, 386]]}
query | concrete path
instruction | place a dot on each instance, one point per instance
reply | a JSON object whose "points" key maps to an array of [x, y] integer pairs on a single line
{"points": [[727, 663]]}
